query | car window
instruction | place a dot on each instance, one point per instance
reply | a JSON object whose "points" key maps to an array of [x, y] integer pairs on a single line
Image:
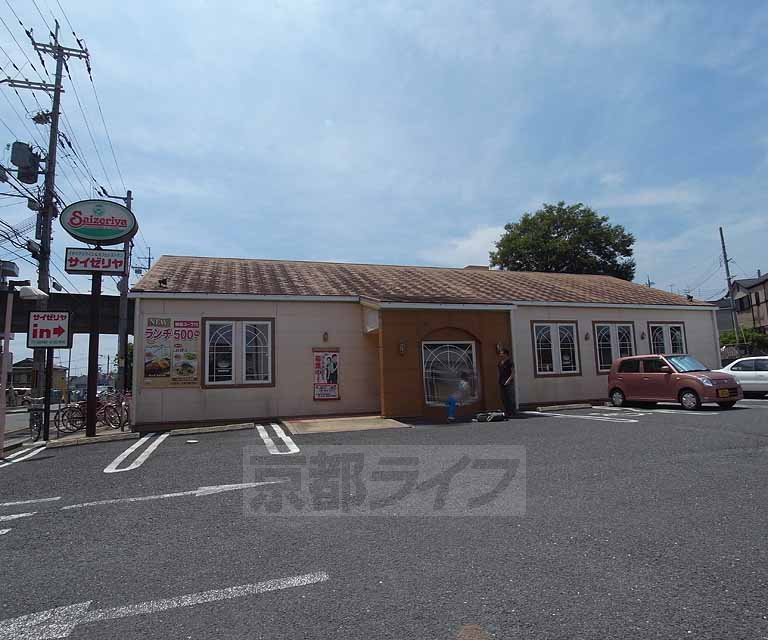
{"points": [[762, 364], [744, 365], [653, 365], [629, 366]]}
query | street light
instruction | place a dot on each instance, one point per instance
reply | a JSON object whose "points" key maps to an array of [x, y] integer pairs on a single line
{"points": [[26, 292]]}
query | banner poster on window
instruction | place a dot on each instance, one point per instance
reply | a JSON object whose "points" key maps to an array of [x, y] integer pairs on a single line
{"points": [[171, 352], [325, 368]]}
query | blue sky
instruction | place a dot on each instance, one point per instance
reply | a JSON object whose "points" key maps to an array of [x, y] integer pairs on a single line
{"points": [[411, 132]]}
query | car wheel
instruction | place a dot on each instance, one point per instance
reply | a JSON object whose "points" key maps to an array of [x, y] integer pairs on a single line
{"points": [[617, 398], [690, 399], [726, 405]]}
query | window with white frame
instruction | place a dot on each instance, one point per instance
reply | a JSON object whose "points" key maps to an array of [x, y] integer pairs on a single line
{"points": [[239, 352], [613, 341], [556, 348], [667, 338], [219, 340], [445, 365]]}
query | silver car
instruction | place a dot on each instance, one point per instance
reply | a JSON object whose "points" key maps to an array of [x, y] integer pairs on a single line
{"points": [[752, 373]]}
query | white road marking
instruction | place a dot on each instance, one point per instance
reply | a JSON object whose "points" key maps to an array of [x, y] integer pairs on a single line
{"points": [[292, 448], [198, 493], [61, 621], [682, 412], [579, 417], [4, 531], [270, 444], [17, 457], [18, 502], [154, 443], [16, 516]]}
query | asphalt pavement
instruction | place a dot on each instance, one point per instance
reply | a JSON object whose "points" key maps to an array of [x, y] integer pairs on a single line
{"points": [[631, 523]]}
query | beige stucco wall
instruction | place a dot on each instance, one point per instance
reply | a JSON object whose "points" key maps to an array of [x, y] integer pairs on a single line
{"points": [[700, 332], [299, 327]]}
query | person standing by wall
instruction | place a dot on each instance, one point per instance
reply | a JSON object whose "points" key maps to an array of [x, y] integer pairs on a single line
{"points": [[458, 396], [507, 382]]}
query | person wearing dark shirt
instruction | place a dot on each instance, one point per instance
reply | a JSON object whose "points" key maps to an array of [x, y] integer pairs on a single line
{"points": [[507, 382]]}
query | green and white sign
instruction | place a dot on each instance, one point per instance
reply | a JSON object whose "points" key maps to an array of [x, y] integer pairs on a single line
{"points": [[100, 222]]}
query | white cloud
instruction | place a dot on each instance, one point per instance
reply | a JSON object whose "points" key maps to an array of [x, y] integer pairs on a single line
{"points": [[678, 195], [472, 249], [612, 179]]}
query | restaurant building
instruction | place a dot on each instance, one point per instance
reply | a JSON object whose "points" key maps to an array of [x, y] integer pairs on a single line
{"points": [[227, 339]]}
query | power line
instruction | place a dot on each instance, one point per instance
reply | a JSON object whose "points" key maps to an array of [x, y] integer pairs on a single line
{"points": [[88, 126]]}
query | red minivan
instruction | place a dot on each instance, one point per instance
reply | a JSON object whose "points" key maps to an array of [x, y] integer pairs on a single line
{"points": [[670, 378]]}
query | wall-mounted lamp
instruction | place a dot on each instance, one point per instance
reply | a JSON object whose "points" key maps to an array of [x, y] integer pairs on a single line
{"points": [[325, 336], [642, 335], [586, 336], [403, 347]]}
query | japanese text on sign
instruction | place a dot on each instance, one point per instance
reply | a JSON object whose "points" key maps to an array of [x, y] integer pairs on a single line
{"points": [[325, 374], [171, 352], [49, 329], [94, 261]]}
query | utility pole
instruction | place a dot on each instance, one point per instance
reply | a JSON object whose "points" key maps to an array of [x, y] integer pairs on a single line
{"points": [[43, 358], [148, 258], [122, 383], [726, 262]]}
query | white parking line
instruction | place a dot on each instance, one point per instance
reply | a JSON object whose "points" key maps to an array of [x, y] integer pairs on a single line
{"points": [[579, 417], [18, 502], [154, 442], [682, 412], [292, 448], [270, 444], [17, 457], [16, 516]]}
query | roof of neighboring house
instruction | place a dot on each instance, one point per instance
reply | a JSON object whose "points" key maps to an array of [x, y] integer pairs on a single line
{"points": [[722, 303], [28, 363], [748, 283], [391, 283]]}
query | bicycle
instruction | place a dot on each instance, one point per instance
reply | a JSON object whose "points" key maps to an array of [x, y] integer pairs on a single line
{"points": [[36, 411]]}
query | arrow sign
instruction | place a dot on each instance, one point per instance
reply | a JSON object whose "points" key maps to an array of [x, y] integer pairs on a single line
{"points": [[198, 493], [58, 331], [61, 621]]}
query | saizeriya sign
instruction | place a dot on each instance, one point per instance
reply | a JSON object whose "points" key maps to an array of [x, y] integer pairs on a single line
{"points": [[99, 222]]}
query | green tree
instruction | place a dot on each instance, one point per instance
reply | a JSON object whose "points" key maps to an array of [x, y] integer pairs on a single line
{"points": [[560, 238], [753, 337]]}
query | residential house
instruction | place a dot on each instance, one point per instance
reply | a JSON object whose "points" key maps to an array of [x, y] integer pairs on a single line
{"points": [[751, 300]]}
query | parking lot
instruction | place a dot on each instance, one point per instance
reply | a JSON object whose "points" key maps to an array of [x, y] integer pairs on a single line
{"points": [[637, 522]]}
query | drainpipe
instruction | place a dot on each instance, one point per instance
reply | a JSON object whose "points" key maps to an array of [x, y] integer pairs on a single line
{"points": [[513, 353]]}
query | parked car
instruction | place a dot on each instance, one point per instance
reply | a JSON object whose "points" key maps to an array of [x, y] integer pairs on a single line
{"points": [[670, 378], [752, 373]]}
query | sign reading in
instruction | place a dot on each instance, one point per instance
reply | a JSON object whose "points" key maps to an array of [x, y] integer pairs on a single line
{"points": [[325, 370], [109, 261], [49, 330], [99, 222]]}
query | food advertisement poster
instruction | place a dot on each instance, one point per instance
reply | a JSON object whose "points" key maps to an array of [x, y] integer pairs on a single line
{"points": [[325, 368], [171, 352]]}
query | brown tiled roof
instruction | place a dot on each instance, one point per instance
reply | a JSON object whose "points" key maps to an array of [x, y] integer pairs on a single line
{"points": [[390, 283]]}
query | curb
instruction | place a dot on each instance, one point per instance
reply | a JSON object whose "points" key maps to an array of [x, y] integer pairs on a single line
{"points": [[109, 437], [222, 427], [562, 407], [113, 437]]}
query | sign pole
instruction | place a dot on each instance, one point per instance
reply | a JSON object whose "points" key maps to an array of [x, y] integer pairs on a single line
{"points": [[93, 356], [47, 399]]}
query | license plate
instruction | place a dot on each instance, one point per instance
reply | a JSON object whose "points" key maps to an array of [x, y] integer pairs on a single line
{"points": [[723, 393]]}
